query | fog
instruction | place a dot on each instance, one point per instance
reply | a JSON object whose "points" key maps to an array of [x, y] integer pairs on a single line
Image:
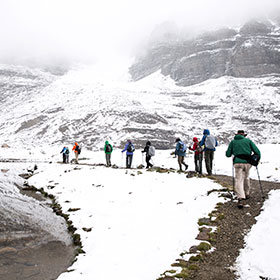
{"points": [[87, 31]]}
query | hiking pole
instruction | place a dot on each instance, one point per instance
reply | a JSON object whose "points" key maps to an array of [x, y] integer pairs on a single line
{"points": [[231, 195], [232, 175], [214, 167], [263, 196]]}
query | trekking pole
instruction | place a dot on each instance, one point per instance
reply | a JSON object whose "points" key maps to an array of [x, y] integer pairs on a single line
{"points": [[215, 167], [263, 196], [231, 195], [232, 175]]}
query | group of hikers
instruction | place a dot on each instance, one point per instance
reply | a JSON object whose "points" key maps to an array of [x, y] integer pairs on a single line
{"points": [[240, 147]]}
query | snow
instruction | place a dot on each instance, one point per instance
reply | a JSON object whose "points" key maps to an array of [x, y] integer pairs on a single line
{"points": [[27, 210], [260, 257], [58, 108], [138, 220], [142, 221]]}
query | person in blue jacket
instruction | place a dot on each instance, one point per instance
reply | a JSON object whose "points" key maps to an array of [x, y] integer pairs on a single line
{"points": [[180, 151], [129, 148], [210, 143]]}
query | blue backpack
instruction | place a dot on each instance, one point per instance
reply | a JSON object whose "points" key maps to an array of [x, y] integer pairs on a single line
{"points": [[182, 147]]}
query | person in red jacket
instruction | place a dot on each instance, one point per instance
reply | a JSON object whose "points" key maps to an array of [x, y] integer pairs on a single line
{"points": [[198, 155]]}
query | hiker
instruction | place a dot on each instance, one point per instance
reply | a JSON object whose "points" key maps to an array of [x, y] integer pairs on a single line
{"points": [[63, 154], [150, 151], [129, 148], [198, 155], [108, 149], [242, 147], [180, 151], [77, 150], [67, 152], [210, 142]]}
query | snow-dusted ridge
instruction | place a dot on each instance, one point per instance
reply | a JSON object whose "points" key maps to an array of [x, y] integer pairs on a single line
{"points": [[39, 108]]}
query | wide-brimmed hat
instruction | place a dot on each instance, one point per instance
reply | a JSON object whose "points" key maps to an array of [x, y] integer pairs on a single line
{"points": [[241, 132]]}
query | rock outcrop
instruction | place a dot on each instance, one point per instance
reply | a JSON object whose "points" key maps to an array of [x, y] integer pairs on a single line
{"points": [[251, 51]]}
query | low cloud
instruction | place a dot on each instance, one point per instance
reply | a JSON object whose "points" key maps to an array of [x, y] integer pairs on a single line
{"points": [[87, 31]]}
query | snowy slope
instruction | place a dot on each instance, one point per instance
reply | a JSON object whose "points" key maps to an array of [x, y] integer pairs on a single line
{"points": [[39, 108], [136, 217]]}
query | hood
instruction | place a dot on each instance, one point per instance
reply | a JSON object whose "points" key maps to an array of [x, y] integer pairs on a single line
{"points": [[195, 139], [206, 132], [76, 143], [238, 137], [106, 142]]}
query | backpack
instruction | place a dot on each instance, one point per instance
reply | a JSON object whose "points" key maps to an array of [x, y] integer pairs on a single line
{"points": [[130, 148], [210, 142], [108, 148], [66, 151], [182, 147], [252, 159], [198, 149], [151, 151], [78, 149]]}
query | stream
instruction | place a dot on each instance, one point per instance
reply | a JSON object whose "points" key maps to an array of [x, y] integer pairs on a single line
{"points": [[34, 241]]}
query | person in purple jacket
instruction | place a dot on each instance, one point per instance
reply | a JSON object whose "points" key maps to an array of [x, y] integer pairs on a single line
{"points": [[129, 148]]}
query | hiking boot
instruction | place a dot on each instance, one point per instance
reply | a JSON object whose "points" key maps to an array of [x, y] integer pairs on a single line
{"points": [[239, 204], [247, 196]]}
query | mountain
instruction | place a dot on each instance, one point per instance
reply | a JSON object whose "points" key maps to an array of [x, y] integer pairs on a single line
{"points": [[250, 51], [42, 109]]}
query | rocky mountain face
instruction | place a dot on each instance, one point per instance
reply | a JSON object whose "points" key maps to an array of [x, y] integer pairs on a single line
{"points": [[251, 51], [224, 81]]}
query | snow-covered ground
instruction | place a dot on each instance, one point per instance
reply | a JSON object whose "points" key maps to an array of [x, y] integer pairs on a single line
{"points": [[141, 221]]}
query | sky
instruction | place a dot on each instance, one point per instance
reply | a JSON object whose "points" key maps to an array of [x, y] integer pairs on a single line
{"points": [[90, 30]]}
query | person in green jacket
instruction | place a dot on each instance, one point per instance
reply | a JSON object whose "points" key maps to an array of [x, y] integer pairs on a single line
{"points": [[244, 147], [108, 149]]}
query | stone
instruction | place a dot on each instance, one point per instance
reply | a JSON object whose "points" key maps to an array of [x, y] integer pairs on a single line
{"points": [[193, 249], [8, 250], [5, 146]]}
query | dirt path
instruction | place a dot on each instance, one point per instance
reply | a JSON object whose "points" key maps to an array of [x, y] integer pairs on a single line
{"points": [[229, 238]]}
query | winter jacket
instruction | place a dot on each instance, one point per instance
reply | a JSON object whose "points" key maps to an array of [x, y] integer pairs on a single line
{"points": [[125, 149], [107, 143], [194, 147], [178, 151], [74, 147], [146, 149], [241, 145], [65, 150], [206, 133]]}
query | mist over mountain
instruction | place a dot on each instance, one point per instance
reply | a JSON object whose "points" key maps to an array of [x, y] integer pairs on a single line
{"points": [[182, 82], [249, 51]]}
